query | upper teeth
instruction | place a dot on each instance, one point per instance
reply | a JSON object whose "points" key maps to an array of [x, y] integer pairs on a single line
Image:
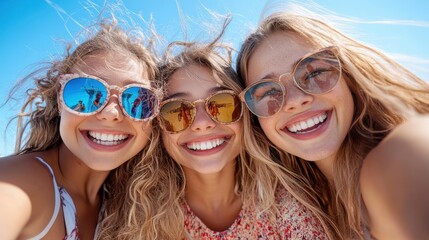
{"points": [[205, 145], [303, 125], [107, 136]]}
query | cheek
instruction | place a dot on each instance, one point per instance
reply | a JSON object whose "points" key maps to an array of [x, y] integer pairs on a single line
{"points": [[238, 129], [144, 133], [69, 122], [346, 101], [69, 130], [146, 128], [169, 141], [267, 125]]}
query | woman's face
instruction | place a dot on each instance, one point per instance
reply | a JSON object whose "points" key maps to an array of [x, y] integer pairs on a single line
{"points": [[329, 114], [107, 139], [222, 143]]}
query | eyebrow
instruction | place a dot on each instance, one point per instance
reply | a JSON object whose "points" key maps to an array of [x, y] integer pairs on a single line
{"points": [[187, 94]]}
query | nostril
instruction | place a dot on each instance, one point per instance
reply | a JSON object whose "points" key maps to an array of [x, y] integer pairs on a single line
{"points": [[111, 111]]}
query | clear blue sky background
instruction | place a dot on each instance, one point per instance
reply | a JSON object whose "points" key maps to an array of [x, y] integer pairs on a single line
{"points": [[33, 31]]}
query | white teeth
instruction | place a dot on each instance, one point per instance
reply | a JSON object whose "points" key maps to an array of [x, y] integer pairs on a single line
{"points": [[106, 138], [310, 123], [205, 145], [303, 125]]}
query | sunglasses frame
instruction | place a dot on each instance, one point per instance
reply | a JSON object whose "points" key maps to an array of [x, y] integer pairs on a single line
{"points": [[65, 78], [278, 80], [194, 106]]}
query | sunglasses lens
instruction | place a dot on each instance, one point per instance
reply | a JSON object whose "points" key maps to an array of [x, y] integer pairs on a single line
{"points": [[318, 73], [264, 99], [224, 107], [176, 115], [139, 103], [84, 95]]}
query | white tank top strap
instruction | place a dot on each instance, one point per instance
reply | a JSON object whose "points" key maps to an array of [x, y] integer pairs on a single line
{"points": [[70, 219], [57, 204]]}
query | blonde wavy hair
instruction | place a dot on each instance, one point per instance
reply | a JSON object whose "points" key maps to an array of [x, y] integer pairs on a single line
{"points": [[384, 93], [256, 182], [41, 110]]}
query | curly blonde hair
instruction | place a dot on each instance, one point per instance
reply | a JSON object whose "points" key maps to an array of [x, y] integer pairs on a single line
{"points": [[41, 109], [161, 217], [384, 93]]}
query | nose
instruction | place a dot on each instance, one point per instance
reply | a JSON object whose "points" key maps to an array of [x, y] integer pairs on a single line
{"points": [[295, 98], [112, 111], [202, 120]]}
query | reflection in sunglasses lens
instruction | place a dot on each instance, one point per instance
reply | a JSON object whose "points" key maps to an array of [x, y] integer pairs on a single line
{"points": [[139, 102], [264, 99], [84, 95], [88, 95], [177, 115], [318, 73], [224, 107]]}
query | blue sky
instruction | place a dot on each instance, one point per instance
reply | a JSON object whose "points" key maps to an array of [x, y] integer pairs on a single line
{"points": [[34, 31]]}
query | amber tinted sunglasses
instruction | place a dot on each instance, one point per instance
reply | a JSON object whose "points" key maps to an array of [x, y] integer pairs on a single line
{"points": [[177, 114]]}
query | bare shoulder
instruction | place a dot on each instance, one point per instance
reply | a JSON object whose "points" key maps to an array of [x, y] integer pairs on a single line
{"points": [[25, 184], [19, 169], [394, 179], [406, 146]]}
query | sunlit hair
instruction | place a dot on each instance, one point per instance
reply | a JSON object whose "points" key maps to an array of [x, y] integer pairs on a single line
{"points": [[146, 206], [384, 93], [41, 110], [41, 106], [254, 180]]}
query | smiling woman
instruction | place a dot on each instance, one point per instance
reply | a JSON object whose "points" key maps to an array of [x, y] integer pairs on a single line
{"points": [[215, 189], [339, 115], [80, 148], [405, 39]]}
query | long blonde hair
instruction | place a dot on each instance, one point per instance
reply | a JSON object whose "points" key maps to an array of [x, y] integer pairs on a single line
{"points": [[41, 109], [161, 217], [384, 93]]}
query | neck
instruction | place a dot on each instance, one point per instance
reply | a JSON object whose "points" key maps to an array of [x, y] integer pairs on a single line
{"points": [[77, 177], [326, 166], [212, 190], [211, 197]]}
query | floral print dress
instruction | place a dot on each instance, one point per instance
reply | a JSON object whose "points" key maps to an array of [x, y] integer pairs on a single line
{"points": [[293, 221]]}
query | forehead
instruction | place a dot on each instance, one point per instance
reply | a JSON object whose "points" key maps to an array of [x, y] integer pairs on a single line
{"points": [[192, 80], [115, 69], [276, 55]]}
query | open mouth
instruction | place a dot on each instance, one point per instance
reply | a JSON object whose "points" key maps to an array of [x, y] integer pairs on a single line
{"points": [[309, 125], [107, 139], [206, 145]]}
